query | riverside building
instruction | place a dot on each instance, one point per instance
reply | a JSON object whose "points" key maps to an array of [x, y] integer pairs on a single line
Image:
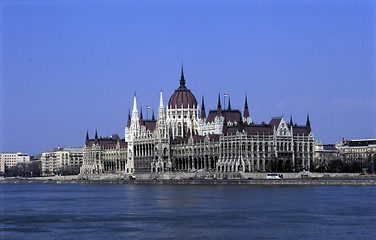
{"points": [[9, 160], [360, 152], [184, 137], [62, 161]]}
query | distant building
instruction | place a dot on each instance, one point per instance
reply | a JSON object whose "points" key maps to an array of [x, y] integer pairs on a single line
{"points": [[104, 155], [62, 161], [361, 151], [324, 155], [184, 138], [11, 159], [2, 165]]}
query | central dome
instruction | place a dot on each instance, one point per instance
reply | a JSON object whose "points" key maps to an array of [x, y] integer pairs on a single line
{"points": [[182, 97]]}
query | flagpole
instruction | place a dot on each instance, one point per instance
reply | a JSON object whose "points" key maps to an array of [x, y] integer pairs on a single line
{"points": [[147, 112], [224, 100]]}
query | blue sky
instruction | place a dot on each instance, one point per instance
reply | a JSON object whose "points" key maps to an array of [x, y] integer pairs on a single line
{"points": [[72, 66]]}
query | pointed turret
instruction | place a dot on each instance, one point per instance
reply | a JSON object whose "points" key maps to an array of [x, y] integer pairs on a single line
{"points": [[134, 103], [161, 101], [87, 137], [219, 107], [96, 136], [246, 111], [141, 117], [203, 113], [161, 107], [153, 118], [134, 110], [129, 118], [291, 122], [246, 118], [229, 104], [308, 124], [133, 130], [182, 80]]}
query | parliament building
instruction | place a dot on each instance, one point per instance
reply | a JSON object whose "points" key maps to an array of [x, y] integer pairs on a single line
{"points": [[185, 137]]}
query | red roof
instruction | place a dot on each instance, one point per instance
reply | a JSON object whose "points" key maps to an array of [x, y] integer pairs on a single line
{"points": [[275, 121], [150, 125], [229, 115], [301, 130], [110, 142]]}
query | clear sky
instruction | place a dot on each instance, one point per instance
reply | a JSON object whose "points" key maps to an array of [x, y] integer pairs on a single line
{"points": [[72, 66]]}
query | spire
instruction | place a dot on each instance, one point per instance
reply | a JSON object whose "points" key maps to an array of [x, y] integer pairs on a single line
{"points": [[182, 80], [87, 138], [96, 137], [161, 107], [153, 118], [219, 107], [291, 122], [203, 113], [141, 117], [229, 104], [129, 117], [246, 112], [134, 111], [308, 124], [134, 103], [161, 100]]}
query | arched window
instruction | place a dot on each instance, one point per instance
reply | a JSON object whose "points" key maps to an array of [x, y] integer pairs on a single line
{"points": [[185, 130], [179, 129]]}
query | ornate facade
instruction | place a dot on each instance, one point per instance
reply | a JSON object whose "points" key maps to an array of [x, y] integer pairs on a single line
{"points": [[183, 138]]}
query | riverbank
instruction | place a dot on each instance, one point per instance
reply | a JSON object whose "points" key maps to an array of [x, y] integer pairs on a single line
{"points": [[351, 181]]}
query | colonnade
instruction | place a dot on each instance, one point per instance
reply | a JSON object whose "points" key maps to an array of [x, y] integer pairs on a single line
{"points": [[114, 165], [196, 163]]}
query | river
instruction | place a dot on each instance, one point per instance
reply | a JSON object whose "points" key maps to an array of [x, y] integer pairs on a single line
{"points": [[90, 211]]}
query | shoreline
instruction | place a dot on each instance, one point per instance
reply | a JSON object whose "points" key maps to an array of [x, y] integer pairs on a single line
{"points": [[340, 181]]}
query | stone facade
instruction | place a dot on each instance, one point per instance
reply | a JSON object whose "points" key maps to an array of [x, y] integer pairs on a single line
{"points": [[105, 155], [9, 160], [361, 151], [2, 165], [62, 161], [182, 138], [325, 154]]}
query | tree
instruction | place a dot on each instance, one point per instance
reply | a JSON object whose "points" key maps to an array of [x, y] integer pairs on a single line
{"points": [[335, 166]]}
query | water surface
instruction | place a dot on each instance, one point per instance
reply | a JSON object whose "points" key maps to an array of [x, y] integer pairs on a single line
{"points": [[79, 211]]}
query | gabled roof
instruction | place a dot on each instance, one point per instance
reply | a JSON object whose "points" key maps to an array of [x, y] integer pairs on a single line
{"points": [[232, 115], [212, 114], [259, 130], [275, 121], [301, 130], [150, 125], [229, 115], [109, 142]]}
